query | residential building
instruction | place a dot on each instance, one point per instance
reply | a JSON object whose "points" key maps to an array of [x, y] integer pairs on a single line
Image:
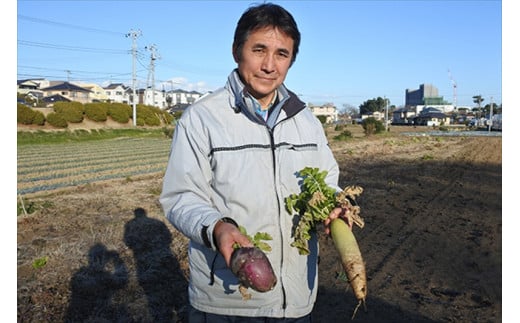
{"points": [[98, 94], [403, 116], [69, 91], [181, 97], [117, 92], [328, 110], [30, 89], [152, 97], [432, 117]]}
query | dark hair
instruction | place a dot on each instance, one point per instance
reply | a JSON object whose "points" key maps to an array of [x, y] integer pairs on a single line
{"points": [[265, 15]]}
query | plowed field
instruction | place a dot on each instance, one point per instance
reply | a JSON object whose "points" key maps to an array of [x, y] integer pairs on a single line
{"points": [[432, 241]]}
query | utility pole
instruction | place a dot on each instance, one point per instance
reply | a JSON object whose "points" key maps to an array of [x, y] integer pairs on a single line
{"points": [[386, 114], [134, 35], [151, 73], [490, 115], [454, 90]]}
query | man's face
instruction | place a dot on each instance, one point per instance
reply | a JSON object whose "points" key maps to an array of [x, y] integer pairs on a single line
{"points": [[266, 58]]}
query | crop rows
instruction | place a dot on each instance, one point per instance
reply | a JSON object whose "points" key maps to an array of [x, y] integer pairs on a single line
{"points": [[45, 167]]}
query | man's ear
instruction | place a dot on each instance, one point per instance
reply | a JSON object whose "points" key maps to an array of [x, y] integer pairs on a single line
{"points": [[235, 54]]}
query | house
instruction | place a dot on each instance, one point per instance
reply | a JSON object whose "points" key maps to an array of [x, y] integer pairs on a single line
{"points": [[431, 117], [69, 91], [181, 106], [117, 92], [151, 97], [328, 110], [24, 86], [114, 92], [180, 97], [98, 94], [403, 116], [380, 116], [54, 98]]}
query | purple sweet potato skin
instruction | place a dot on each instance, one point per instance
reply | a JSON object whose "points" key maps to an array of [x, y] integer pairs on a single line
{"points": [[253, 269]]}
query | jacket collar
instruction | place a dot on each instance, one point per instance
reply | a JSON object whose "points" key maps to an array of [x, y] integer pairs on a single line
{"points": [[243, 102]]}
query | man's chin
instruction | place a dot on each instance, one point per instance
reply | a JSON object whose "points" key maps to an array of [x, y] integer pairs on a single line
{"points": [[263, 91]]}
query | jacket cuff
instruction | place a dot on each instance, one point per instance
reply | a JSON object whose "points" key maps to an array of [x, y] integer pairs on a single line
{"points": [[207, 232]]}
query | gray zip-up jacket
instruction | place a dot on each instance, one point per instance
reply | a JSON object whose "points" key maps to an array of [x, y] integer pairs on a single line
{"points": [[225, 161]]}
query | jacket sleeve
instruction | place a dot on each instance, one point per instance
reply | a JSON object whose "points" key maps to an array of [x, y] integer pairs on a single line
{"points": [[186, 192]]}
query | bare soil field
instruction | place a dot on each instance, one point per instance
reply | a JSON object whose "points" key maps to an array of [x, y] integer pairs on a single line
{"points": [[432, 241]]}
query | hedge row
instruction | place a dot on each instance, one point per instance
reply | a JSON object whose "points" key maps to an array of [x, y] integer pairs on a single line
{"points": [[75, 112], [26, 115]]}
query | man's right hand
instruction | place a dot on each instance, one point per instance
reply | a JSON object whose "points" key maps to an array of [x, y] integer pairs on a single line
{"points": [[226, 235]]}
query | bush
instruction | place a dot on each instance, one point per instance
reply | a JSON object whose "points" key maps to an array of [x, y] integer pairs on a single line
{"points": [[96, 112], [372, 126], [139, 121], [39, 118], [71, 111], [344, 135], [152, 120], [167, 118], [149, 115], [57, 120], [26, 115], [119, 112], [323, 119]]}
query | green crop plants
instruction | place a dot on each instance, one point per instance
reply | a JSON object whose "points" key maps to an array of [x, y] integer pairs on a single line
{"points": [[40, 262], [43, 167]]}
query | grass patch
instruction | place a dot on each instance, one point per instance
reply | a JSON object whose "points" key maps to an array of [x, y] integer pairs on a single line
{"points": [[55, 137], [30, 206]]}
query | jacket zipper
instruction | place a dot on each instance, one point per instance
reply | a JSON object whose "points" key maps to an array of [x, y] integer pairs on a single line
{"points": [[273, 151]]}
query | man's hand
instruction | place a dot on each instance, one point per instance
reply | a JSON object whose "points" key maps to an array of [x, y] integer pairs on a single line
{"points": [[338, 212], [226, 235]]}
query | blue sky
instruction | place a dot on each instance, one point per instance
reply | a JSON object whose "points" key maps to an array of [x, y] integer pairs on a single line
{"points": [[351, 51]]}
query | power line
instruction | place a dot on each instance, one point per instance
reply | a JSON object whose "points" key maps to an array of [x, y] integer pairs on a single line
{"points": [[49, 22], [75, 71], [74, 48]]}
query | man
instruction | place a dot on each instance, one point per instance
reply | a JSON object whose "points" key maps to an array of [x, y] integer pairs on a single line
{"points": [[234, 158]]}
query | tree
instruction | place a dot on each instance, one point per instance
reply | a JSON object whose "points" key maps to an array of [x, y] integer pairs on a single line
{"points": [[478, 100], [349, 109], [487, 108], [372, 126], [373, 105]]}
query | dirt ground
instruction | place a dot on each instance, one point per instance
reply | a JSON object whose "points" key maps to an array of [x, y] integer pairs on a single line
{"points": [[432, 241]]}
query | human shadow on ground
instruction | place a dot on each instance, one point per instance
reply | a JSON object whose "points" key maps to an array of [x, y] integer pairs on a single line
{"points": [[158, 270], [93, 286]]}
